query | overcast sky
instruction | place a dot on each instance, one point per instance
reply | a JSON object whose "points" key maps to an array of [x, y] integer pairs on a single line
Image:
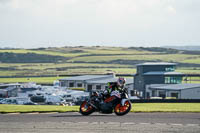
{"points": [[57, 23]]}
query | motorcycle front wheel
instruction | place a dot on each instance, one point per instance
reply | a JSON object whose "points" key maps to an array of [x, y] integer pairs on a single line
{"points": [[86, 109], [122, 110]]}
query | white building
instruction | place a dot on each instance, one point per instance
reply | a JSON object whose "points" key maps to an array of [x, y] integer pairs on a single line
{"points": [[93, 82], [82, 81], [180, 91]]}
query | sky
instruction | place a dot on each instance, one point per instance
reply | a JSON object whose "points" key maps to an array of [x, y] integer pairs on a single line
{"points": [[127, 23]]}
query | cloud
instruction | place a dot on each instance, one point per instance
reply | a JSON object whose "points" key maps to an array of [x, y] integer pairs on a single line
{"points": [[171, 9], [97, 21]]}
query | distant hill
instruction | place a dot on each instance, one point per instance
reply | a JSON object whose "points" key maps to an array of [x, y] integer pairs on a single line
{"points": [[188, 48], [103, 55], [29, 58], [93, 60]]}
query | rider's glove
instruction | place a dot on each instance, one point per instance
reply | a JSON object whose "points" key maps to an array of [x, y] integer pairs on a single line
{"points": [[105, 92]]}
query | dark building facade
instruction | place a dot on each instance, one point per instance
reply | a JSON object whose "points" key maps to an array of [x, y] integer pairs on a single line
{"points": [[155, 73]]}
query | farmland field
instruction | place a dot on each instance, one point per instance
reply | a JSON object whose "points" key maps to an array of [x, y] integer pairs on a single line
{"points": [[89, 60]]}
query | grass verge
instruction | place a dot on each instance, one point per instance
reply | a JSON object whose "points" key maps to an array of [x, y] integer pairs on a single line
{"points": [[166, 107], [4, 108], [136, 107]]}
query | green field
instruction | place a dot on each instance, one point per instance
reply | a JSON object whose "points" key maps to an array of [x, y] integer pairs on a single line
{"points": [[136, 107], [50, 80], [166, 58], [37, 69], [38, 80], [93, 60]]}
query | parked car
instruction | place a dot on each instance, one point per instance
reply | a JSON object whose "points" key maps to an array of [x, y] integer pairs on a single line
{"points": [[8, 101], [38, 99], [1, 100]]}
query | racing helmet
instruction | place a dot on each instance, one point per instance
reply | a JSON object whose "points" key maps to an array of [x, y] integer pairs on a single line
{"points": [[121, 81]]}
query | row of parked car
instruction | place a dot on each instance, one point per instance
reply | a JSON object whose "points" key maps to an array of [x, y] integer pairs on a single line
{"points": [[37, 101], [15, 101], [68, 98], [33, 94]]}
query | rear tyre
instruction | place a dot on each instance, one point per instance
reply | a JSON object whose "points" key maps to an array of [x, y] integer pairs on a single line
{"points": [[86, 109], [122, 110]]}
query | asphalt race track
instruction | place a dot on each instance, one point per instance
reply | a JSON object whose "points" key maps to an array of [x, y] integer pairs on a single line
{"points": [[75, 123]]}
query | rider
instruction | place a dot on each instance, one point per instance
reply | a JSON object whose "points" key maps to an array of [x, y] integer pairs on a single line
{"points": [[112, 86]]}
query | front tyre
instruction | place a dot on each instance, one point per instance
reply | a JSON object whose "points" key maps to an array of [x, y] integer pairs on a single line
{"points": [[86, 109], [122, 110]]}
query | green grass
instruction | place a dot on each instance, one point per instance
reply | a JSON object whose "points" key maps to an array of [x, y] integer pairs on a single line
{"points": [[48, 80], [115, 50], [136, 107], [43, 66], [44, 52], [37, 69], [101, 58], [192, 60], [111, 53], [165, 107], [80, 89], [4, 108], [189, 71], [165, 57]]}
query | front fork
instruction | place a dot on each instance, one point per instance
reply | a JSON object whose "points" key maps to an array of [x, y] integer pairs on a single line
{"points": [[91, 103]]}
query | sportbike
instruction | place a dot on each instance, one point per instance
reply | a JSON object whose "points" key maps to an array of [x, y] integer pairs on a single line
{"points": [[117, 102]]}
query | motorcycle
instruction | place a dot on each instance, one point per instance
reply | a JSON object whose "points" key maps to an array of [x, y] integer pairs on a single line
{"points": [[117, 101]]}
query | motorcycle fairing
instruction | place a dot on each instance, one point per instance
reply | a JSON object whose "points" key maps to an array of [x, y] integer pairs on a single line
{"points": [[123, 101]]}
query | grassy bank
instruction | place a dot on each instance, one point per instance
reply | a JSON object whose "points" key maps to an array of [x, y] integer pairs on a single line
{"points": [[136, 107], [4, 108]]}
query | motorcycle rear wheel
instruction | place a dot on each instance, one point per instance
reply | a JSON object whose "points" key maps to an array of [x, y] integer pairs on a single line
{"points": [[122, 110], [86, 109]]}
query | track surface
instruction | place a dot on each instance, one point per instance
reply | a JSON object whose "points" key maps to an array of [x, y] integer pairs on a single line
{"points": [[75, 123]]}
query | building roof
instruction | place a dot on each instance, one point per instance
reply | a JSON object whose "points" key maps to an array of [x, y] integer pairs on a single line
{"points": [[102, 81], [105, 81], [87, 77], [162, 73], [175, 87], [155, 63], [13, 84]]}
